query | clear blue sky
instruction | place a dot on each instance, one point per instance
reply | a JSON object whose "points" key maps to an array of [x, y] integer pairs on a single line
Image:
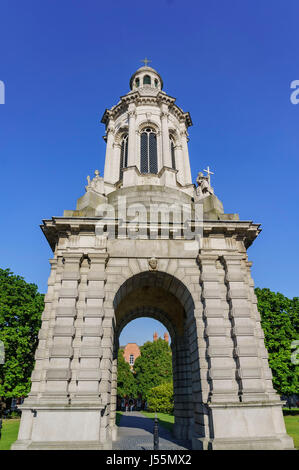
{"points": [[229, 63]]}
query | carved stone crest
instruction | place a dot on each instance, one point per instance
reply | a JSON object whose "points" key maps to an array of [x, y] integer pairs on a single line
{"points": [[153, 263]]}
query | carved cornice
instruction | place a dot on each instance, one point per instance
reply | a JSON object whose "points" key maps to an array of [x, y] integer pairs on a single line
{"points": [[53, 229], [136, 98]]}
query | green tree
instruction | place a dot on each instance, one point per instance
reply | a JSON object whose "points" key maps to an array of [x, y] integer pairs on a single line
{"points": [[21, 306], [154, 366], [126, 384], [160, 398], [279, 320]]}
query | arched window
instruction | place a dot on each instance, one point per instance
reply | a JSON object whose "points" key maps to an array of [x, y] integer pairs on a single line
{"points": [[146, 80], [172, 153], [148, 152], [123, 155], [137, 82], [156, 83]]}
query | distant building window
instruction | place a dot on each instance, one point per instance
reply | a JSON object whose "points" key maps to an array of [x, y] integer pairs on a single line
{"points": [[131, 359], [156, 83], [137, 82], [148, 152], [123, 155], [146, 80]]}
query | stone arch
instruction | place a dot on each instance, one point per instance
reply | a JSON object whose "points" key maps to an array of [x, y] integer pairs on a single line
{"points": [[154, 313], [147, 123], [122, 131], [163, 296], [174, 134]]}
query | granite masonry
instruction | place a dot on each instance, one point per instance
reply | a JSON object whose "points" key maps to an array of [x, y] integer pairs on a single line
{"points": [[123, 253]]}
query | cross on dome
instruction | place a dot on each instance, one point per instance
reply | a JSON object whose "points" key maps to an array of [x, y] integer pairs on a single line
{"points": [[146, 61]]}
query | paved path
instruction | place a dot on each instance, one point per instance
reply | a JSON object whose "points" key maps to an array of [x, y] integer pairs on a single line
{"points": [[135, 432]]}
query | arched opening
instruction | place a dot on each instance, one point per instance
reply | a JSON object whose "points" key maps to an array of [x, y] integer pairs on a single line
{"points": [[163, 297], [146, 80], [148, 151], [144, 362]]}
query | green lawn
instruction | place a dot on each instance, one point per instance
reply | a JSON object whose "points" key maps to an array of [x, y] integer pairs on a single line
{"points": [[166, 420], [9, 433], [292, 426], [291, 422], [11, 427]]}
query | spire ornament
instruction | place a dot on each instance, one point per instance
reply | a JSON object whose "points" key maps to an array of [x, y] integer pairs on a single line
{"points": [[146, 61]]}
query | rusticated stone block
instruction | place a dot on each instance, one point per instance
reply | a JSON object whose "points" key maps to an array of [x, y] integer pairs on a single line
{"points": [[58, 374], [64, 330], [90, 351]]}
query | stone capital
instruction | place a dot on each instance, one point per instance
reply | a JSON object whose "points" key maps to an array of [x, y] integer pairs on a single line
{"points": [[207, 259], [98, 258]]}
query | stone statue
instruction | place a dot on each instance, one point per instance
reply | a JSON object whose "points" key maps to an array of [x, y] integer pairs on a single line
{"points": [[96, 184], [204, 187]]}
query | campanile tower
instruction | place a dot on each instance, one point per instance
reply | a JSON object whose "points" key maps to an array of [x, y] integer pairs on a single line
{"points": [[128, 251]]}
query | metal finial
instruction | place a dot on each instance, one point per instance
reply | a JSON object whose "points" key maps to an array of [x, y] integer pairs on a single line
{"points": [[146, 61]]}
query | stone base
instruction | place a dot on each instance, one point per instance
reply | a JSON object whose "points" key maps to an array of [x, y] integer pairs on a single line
{"points": [[251, 426], [263, 443], [61, 445], [62, 427]]}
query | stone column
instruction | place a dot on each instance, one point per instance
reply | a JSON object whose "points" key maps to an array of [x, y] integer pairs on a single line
{"points": [[186, 160], [116, 163], [272, 394], [166, 157], [58, 372], [222, 367], [132, 157], [87, 373], [180, 164], [109, 159], [244, 331]]}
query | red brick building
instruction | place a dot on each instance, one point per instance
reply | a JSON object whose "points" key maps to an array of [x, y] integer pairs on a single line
{"points": [[132, 351]]}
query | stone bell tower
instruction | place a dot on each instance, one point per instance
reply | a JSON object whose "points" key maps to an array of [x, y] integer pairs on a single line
{"points": [[123, 253]]}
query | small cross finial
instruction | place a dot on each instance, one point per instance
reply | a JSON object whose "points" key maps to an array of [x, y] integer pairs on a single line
{"points": [[209, 173], [146, 61]]}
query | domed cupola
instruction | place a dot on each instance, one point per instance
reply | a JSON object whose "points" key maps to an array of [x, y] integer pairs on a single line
{"points": [[146, 78], [147, 137]]}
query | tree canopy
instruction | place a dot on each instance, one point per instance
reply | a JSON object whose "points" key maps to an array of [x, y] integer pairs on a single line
{"points": [[154, 366], [280, 322], [161, 398], [126, 384], [21, 306]]}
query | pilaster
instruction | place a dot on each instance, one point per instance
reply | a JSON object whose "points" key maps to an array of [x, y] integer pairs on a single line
{"points": [[132, 157], [245, 331], [109, 158], [184, 143], [222, 367], [58, 373], [87, 373], [165, 136]]}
